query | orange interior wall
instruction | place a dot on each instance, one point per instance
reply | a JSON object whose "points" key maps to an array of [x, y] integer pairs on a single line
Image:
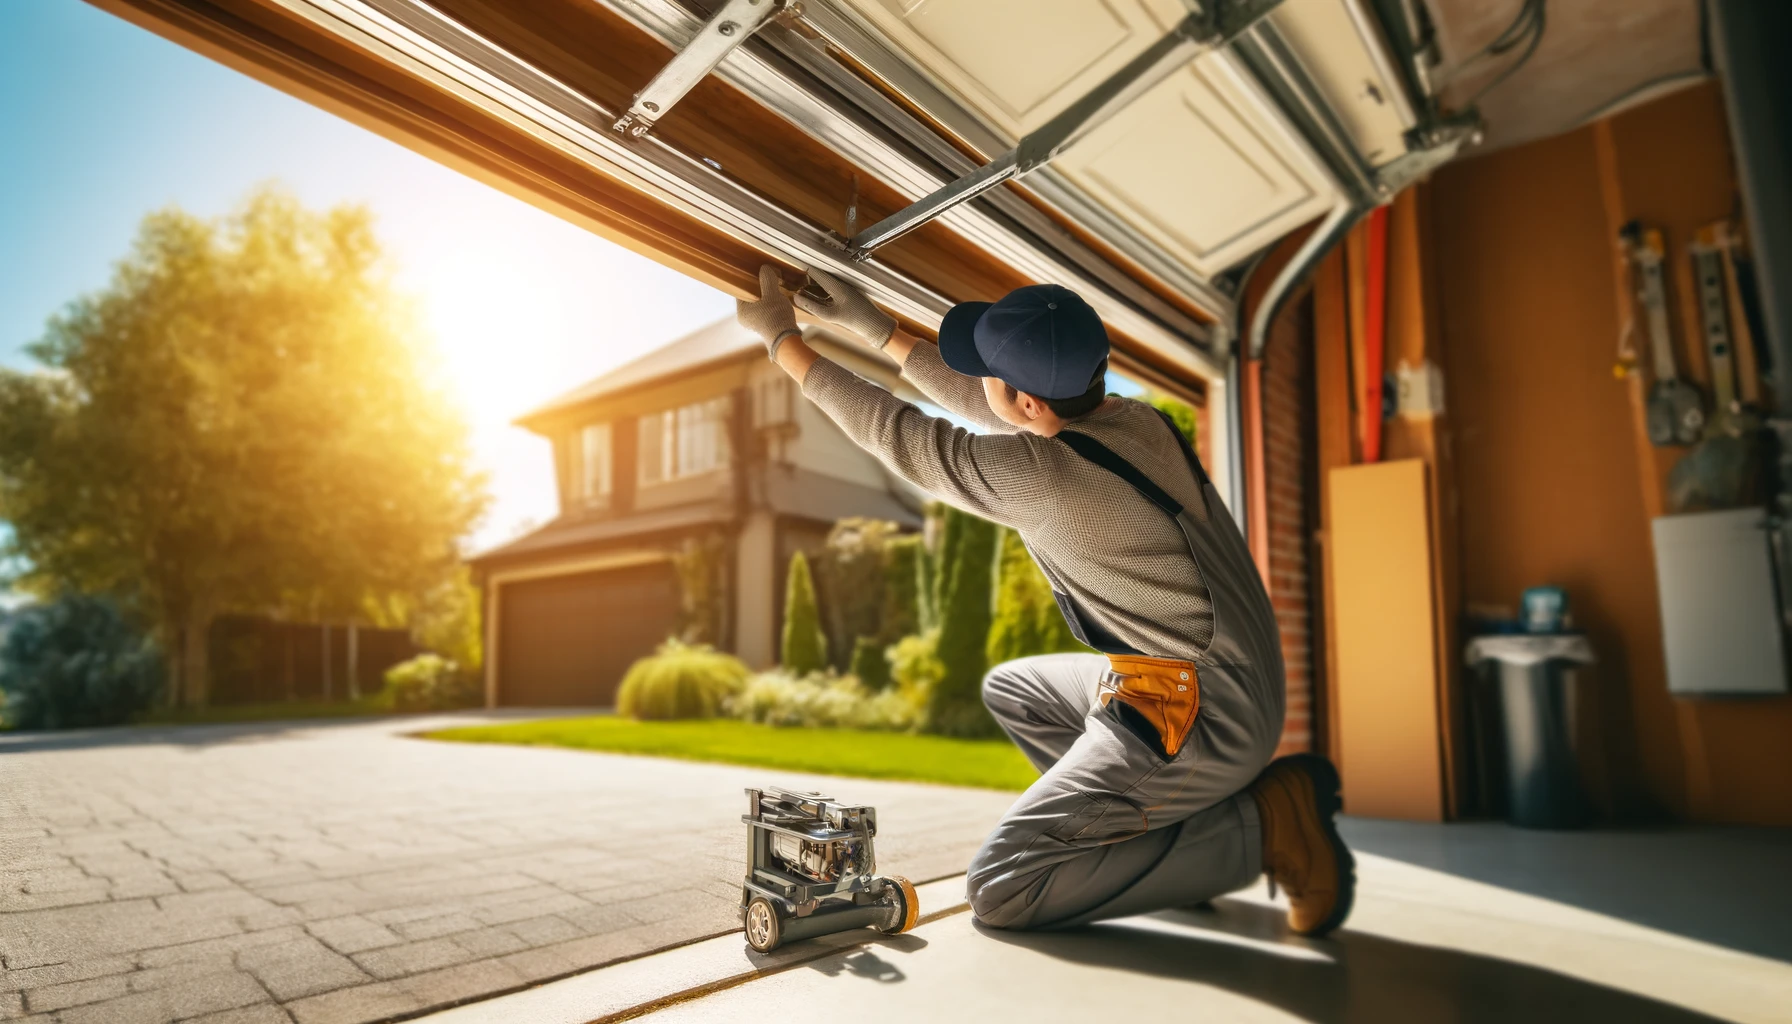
{"points": [[1552, 483]]}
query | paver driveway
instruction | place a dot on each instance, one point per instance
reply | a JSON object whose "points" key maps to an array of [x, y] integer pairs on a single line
{"points": [[342, 872]]}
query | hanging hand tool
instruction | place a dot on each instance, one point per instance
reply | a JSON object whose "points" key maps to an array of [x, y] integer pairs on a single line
{"points": [[1727, 414], [1675, 413], [1748, 370]]}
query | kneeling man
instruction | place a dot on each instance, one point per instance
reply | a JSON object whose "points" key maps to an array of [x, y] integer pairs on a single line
{"points": [[1157, 788]]}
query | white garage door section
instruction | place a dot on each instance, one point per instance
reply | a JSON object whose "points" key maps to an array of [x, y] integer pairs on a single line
{"points": [[1340, 53], [1189, 165]]}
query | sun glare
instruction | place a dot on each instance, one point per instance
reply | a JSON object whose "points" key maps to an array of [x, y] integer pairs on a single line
{"points": [[521, 307]]}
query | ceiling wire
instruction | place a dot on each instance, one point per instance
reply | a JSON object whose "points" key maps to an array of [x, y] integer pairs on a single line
{"points": [[1526, 29]]}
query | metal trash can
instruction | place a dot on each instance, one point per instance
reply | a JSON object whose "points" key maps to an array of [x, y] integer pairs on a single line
{"points": [[1537, 712]]}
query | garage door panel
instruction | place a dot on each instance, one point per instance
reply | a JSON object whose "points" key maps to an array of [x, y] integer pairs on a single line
{"points": [[567, 640], [1191, 167], [1186, 168], [1017, 62]]}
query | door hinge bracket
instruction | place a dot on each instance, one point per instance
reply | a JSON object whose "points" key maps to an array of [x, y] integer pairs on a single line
{"points": [[730, 27]]}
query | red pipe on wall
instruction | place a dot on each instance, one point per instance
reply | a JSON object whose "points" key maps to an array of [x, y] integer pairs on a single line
{"points": [[1375, 317], [1256, 468]]}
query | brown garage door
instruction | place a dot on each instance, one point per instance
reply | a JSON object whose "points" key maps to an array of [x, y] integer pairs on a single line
{"points": [[567, 640]]}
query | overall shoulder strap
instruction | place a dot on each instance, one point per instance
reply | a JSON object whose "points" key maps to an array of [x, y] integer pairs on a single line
{"points": [[1115, 463], [1188, 450]]}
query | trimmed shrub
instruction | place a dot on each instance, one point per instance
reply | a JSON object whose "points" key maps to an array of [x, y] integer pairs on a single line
{"points": [[850, 571], [76, 663], [680, 681], [945, 557], [1180, 413], [955, 703], [779, 698], [430, 682], [805, 647], [903, 571], [915, 664], [870, 665], [927, 613], [1027, 620]]}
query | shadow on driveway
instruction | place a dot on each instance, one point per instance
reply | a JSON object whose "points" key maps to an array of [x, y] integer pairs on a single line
{"points": [[1348, 978]]}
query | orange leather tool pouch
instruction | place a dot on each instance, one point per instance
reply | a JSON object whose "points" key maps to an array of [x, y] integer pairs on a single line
{"points": [[1165, 692]]}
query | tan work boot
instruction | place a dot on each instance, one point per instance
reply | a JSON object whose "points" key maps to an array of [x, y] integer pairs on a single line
{"points": [[1297, 800]]}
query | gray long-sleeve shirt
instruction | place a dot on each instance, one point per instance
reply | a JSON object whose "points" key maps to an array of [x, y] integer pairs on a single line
{"points": [[1095, 537]]}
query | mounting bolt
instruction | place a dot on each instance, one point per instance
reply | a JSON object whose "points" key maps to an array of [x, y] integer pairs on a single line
{"points": [[727, 28], [651, 107]]}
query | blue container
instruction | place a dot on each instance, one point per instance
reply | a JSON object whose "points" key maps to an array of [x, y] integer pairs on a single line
{"points": [[1545, 610]]}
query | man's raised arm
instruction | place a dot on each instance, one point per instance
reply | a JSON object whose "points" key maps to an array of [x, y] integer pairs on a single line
{"points": [[849, 308]]}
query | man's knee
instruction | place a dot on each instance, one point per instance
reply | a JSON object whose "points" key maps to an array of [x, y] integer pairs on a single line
{"points": [[995, 900], [1000, 686], [1010, 689]]}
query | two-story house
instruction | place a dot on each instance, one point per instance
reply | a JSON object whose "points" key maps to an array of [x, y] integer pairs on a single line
{"points": [[701, 442]]}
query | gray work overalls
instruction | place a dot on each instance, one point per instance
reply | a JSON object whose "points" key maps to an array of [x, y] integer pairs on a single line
{"points": [[1120, 822]]}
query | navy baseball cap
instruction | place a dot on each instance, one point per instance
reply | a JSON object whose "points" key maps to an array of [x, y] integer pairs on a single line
{"points": [[1042, 339]]}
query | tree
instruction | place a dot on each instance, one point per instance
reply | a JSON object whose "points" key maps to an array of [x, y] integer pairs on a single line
{"points": [[1027, 620], [446, 619], [955, 702], [241, 420], [73, 663], [805, 647]]}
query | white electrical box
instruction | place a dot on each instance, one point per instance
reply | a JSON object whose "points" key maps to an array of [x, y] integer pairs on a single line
{"points": [[1720, 618], [1420, 390]]}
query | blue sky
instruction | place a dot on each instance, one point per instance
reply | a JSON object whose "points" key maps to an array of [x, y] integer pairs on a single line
{"points": [[104, 121]]}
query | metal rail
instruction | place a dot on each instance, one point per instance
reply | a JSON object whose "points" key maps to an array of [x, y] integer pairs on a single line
{"points": [[810, 88], [845, 31], [1197, 33], [730, 27], [1360, 186]]}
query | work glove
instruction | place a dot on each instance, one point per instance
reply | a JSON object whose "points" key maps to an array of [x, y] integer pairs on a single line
{"points": [[770, 316], [846, 306]]}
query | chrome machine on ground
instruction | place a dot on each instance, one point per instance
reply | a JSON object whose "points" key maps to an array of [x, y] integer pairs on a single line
{"points": [[810, 864]]}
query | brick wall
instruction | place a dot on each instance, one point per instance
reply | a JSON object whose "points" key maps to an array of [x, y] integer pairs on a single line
{"points": [[1288, 453]]}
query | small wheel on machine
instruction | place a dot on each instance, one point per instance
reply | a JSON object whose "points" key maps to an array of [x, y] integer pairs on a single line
{"points": [[905, 903], [764, 928]]}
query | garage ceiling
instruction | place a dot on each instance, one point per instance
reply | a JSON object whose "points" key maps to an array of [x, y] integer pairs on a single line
{"points": [[1592, 53]]}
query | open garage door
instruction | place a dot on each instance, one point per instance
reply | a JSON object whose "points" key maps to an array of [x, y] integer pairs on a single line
{"points": [[567, 640], [1141, 152]]}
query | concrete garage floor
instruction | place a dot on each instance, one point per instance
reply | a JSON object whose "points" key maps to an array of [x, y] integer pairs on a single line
{"points": [[1656, 928], [341, 872]]}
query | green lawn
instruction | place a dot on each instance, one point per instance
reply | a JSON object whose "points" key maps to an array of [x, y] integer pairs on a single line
{"points": [[993, 764]]}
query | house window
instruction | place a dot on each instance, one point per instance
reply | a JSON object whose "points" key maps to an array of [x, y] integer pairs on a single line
{"points": [[685, 441], [594, 464]]}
